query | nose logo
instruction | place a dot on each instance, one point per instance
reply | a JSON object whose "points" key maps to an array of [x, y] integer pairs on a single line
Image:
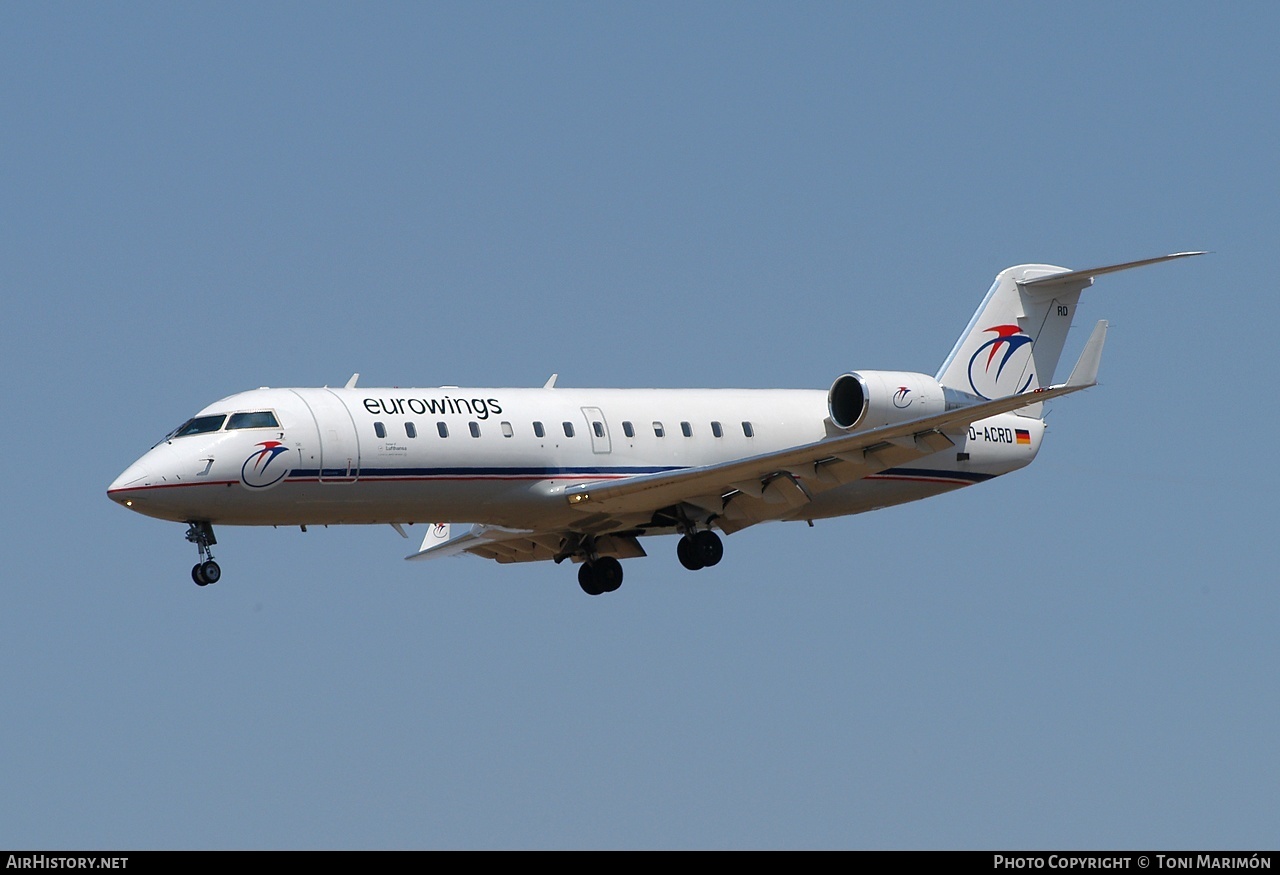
{"points": [[258, 471]]}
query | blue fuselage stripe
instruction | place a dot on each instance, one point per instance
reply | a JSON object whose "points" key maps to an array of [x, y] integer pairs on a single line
{"points": [[306, 473], [560, 473]]}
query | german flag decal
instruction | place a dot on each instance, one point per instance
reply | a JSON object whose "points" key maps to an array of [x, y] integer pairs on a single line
{"points": [[1023, 436]]}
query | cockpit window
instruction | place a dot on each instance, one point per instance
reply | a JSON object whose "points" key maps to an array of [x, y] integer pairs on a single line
{"points": [[200, 425], [257, 419]]}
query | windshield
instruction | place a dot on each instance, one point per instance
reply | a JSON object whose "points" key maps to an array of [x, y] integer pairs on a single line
{"points": [[257, 419], [200, 425]]}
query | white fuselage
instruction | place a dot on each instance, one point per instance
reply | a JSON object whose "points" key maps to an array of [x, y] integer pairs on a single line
{"points": [[446, 454]]}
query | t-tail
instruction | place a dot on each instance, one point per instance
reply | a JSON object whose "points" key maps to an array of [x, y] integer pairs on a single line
{"points": [[1014, 341]]}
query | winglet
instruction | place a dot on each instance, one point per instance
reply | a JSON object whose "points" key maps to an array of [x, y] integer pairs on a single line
{"points": [[551, 382], [351, 384], [1085, 373], [437, 536]]}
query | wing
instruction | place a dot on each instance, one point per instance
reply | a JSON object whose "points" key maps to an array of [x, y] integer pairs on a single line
{"points": [[744, 491], [493, 542], [526, 545], [787, 477]]}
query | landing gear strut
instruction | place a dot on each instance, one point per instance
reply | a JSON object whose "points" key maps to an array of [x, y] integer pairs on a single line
{"points": [[700, 550], [206, 571], [600, 575]]}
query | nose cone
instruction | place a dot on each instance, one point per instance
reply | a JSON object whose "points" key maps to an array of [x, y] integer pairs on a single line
{"points": [[152, 485], [124, 487], [134, 474]]}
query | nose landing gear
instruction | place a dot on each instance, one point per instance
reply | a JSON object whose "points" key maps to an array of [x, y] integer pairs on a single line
{"points": [[206, 571]]}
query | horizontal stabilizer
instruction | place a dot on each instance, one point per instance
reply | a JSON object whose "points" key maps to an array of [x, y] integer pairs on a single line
{"points": [[1046, 283]]}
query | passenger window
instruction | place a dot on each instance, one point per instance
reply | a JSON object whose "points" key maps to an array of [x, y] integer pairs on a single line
{"points": [[748, 429], [201, 425], [410, 430], [506, 429], [257, 419], [686, 429], [717, 430], [475, 428], [568, 429], [598, 428], [658, 430], [443, 429], [628, 429], [538, 430], [379, 429]]}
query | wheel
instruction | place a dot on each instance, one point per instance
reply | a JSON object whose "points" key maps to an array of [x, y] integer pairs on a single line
{"points": [[608, 574], [197, 576], [587, 579], [687, 553], [210, 572], [708, 547]]}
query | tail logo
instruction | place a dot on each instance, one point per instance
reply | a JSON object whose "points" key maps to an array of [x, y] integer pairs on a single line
{"points": [[257, 470], [998, 365], [902, 398]]}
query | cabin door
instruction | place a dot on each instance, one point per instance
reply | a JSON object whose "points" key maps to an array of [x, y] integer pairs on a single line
{"points": [[339, 445]]}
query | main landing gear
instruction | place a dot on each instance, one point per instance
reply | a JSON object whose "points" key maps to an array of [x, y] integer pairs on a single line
{"points": [[597, 574], [206, 571], [603, 574], [600, 575], [700, 550]]}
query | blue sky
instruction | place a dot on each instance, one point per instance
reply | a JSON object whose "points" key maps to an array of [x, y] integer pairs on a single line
{"points": [[204, 198]]}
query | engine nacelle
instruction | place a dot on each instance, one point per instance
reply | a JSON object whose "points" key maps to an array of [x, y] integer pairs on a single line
{"points": [[870, 399]]}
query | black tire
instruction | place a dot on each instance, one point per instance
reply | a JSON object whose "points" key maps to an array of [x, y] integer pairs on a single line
{"points": [[608, 574], [210, 572], [587, 579], [197, 576], [687, 553], [708, 547]]}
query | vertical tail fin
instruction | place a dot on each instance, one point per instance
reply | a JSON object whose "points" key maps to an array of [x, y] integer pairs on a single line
{"points": [[1014, 340]]}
